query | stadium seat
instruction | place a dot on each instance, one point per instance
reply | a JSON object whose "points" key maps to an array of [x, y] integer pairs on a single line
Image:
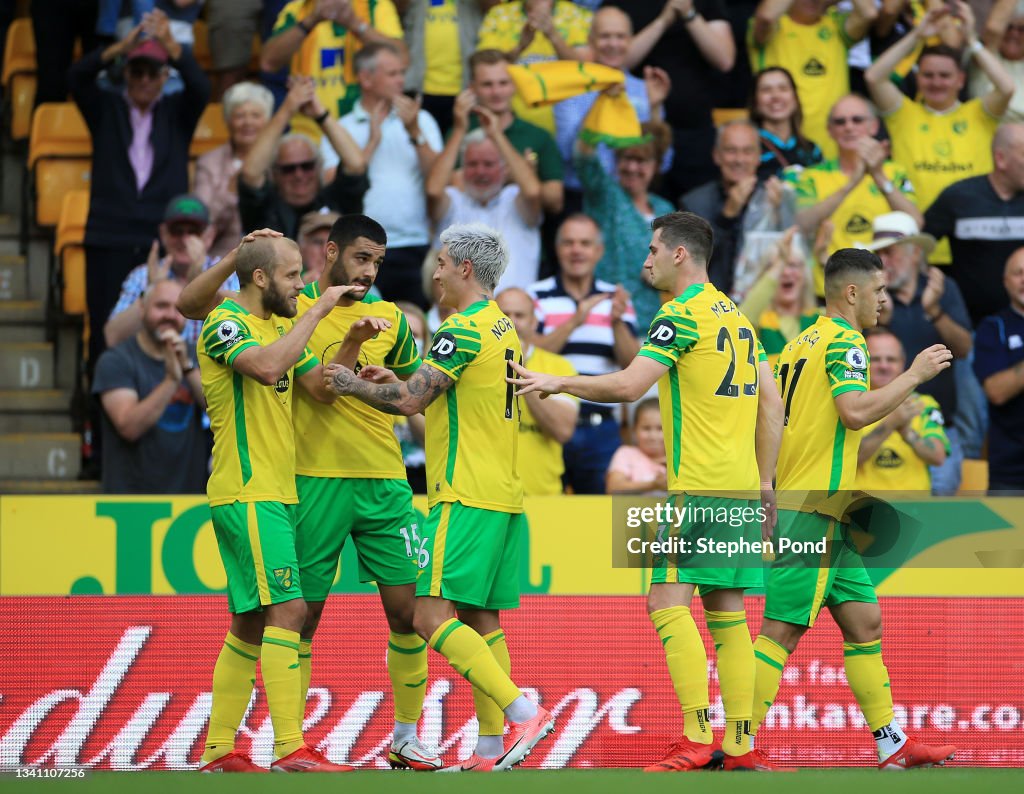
{"points": [[69, 250], [201, 48], [19, 77], [720, 116], [211, 131], [973, 477], [59, 158]]}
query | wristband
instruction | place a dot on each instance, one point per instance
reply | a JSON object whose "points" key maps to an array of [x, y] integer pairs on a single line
{"points": [[321, 118], [935, 318], [975, 47], [362, 27], [689, 17], [186, 370]]}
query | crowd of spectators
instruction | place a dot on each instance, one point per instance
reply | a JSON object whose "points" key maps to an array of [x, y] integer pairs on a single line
{"points": [[887, 124]]}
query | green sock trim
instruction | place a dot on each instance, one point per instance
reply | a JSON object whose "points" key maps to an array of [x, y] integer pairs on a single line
{"points": [[444, 635], [305, 656], [410, 651], [782, 650], [768, 660], [241, 653], [725, 624], [862, 648], [418, 684], [283, 643], [495, 637]]}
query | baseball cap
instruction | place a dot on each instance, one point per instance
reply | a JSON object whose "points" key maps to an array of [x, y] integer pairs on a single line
{"points": [[187, 208], [149, 50], [313, 221]]}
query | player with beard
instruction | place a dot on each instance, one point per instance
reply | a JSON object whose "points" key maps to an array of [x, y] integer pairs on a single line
{"points": [[368, 477], [250, 351]]}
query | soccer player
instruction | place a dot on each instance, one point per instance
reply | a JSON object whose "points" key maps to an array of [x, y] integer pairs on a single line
{"points": [[350, 477], [469, 550], [712, 374], [823, 378], [250, 354]]}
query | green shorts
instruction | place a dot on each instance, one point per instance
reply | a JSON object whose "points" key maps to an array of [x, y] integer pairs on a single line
{"points": [[705, 522], [257, 545], [378, 514], [471, 556], [797, 585]]}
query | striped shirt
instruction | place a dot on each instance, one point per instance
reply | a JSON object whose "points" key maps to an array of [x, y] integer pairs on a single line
{"points": [[591, 347]]}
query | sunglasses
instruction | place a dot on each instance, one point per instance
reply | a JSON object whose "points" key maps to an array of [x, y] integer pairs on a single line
{"points": [[306, 166], [183, 229], [141, 70], [841, 121]]}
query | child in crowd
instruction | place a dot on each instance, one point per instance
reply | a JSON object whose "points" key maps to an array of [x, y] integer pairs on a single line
{"points": [[640, 469]]}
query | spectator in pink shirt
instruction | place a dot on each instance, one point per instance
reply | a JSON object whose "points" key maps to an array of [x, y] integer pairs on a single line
{"points": [[640, 469]]}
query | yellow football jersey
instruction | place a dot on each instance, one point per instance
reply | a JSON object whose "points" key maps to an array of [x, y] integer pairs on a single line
{"points": [[816, 57], [939, 149], [708, 397], [853, 218], [819, 454], [540, 456], [348, 438], [472, 441], [895, 466], [328, 52], [253, 442]]}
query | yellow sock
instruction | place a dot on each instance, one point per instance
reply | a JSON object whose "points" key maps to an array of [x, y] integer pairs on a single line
{"points": [[305, 675], [688, 667], [407, 669], [735, 654], [472, 659], [233, 679], [869, 681], [490, 717], [283, 682], [769, 659]]}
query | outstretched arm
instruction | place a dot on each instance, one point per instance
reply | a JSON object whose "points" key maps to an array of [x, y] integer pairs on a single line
{"points": [[404, 399], [625, 386]]}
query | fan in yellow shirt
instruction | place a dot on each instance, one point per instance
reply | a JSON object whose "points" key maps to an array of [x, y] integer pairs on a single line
{"points": [[544, 425], [939, 139], [896, 451]]}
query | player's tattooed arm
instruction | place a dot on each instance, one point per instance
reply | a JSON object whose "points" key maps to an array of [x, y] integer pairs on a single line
{"points": [[405, 399]]}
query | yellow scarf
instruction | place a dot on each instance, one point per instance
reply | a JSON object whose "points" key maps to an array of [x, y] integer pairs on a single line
{"points": [[611, 120]]}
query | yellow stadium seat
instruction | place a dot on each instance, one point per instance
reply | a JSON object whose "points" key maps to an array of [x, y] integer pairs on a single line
{"points": [[59, 157], [720, 116], [211, 131], [201, 47], [19, 77], [973, 477], [69, 250]]}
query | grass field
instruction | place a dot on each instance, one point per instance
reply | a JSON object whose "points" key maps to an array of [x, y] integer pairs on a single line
{"points": [[598, 781]]}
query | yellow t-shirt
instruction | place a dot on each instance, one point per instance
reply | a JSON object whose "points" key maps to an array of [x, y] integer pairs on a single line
{"points": [[708, 396], [854, 217], [328, 52], [895, 466], [818, 456], [502, 28], [443, 53], [816, 57], [472, 438], [348, 438], [540, 455], [253, 442], [939, 149]]}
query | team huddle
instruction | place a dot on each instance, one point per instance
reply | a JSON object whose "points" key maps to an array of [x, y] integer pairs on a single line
{"points": [[735, 433]]}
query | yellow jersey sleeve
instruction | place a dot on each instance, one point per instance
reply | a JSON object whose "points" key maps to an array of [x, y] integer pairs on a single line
{"points": [[930, 423], [846, 364], [673, 332], [403, 359], [454, 348], [226, 334]]}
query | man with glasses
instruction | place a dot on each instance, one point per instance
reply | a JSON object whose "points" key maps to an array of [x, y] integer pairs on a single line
{"points": [[140, 142], [184, 238], [280, 179], [849, 191]]}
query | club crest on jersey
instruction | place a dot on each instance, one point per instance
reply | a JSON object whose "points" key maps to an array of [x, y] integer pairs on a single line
{"points": [[662, 333], [228, 332], [444, 346], [283, 384], [856, 359], [284, 578]]}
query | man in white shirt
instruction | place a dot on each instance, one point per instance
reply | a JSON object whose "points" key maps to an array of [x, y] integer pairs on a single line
{"points": [[401, 142], [489, 161]]}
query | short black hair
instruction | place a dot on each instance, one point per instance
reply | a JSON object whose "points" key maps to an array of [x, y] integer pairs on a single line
{"points": [[847, 263], [689, 230], [349, 228]]}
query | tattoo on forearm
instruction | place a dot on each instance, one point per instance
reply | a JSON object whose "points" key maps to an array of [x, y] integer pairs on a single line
{"points": [[422, 388]]}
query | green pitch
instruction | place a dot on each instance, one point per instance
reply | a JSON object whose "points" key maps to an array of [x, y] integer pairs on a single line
{"points": [[598, 781]]}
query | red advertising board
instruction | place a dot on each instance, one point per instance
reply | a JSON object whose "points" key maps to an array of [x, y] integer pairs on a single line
{"points": [[123, 683]]}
